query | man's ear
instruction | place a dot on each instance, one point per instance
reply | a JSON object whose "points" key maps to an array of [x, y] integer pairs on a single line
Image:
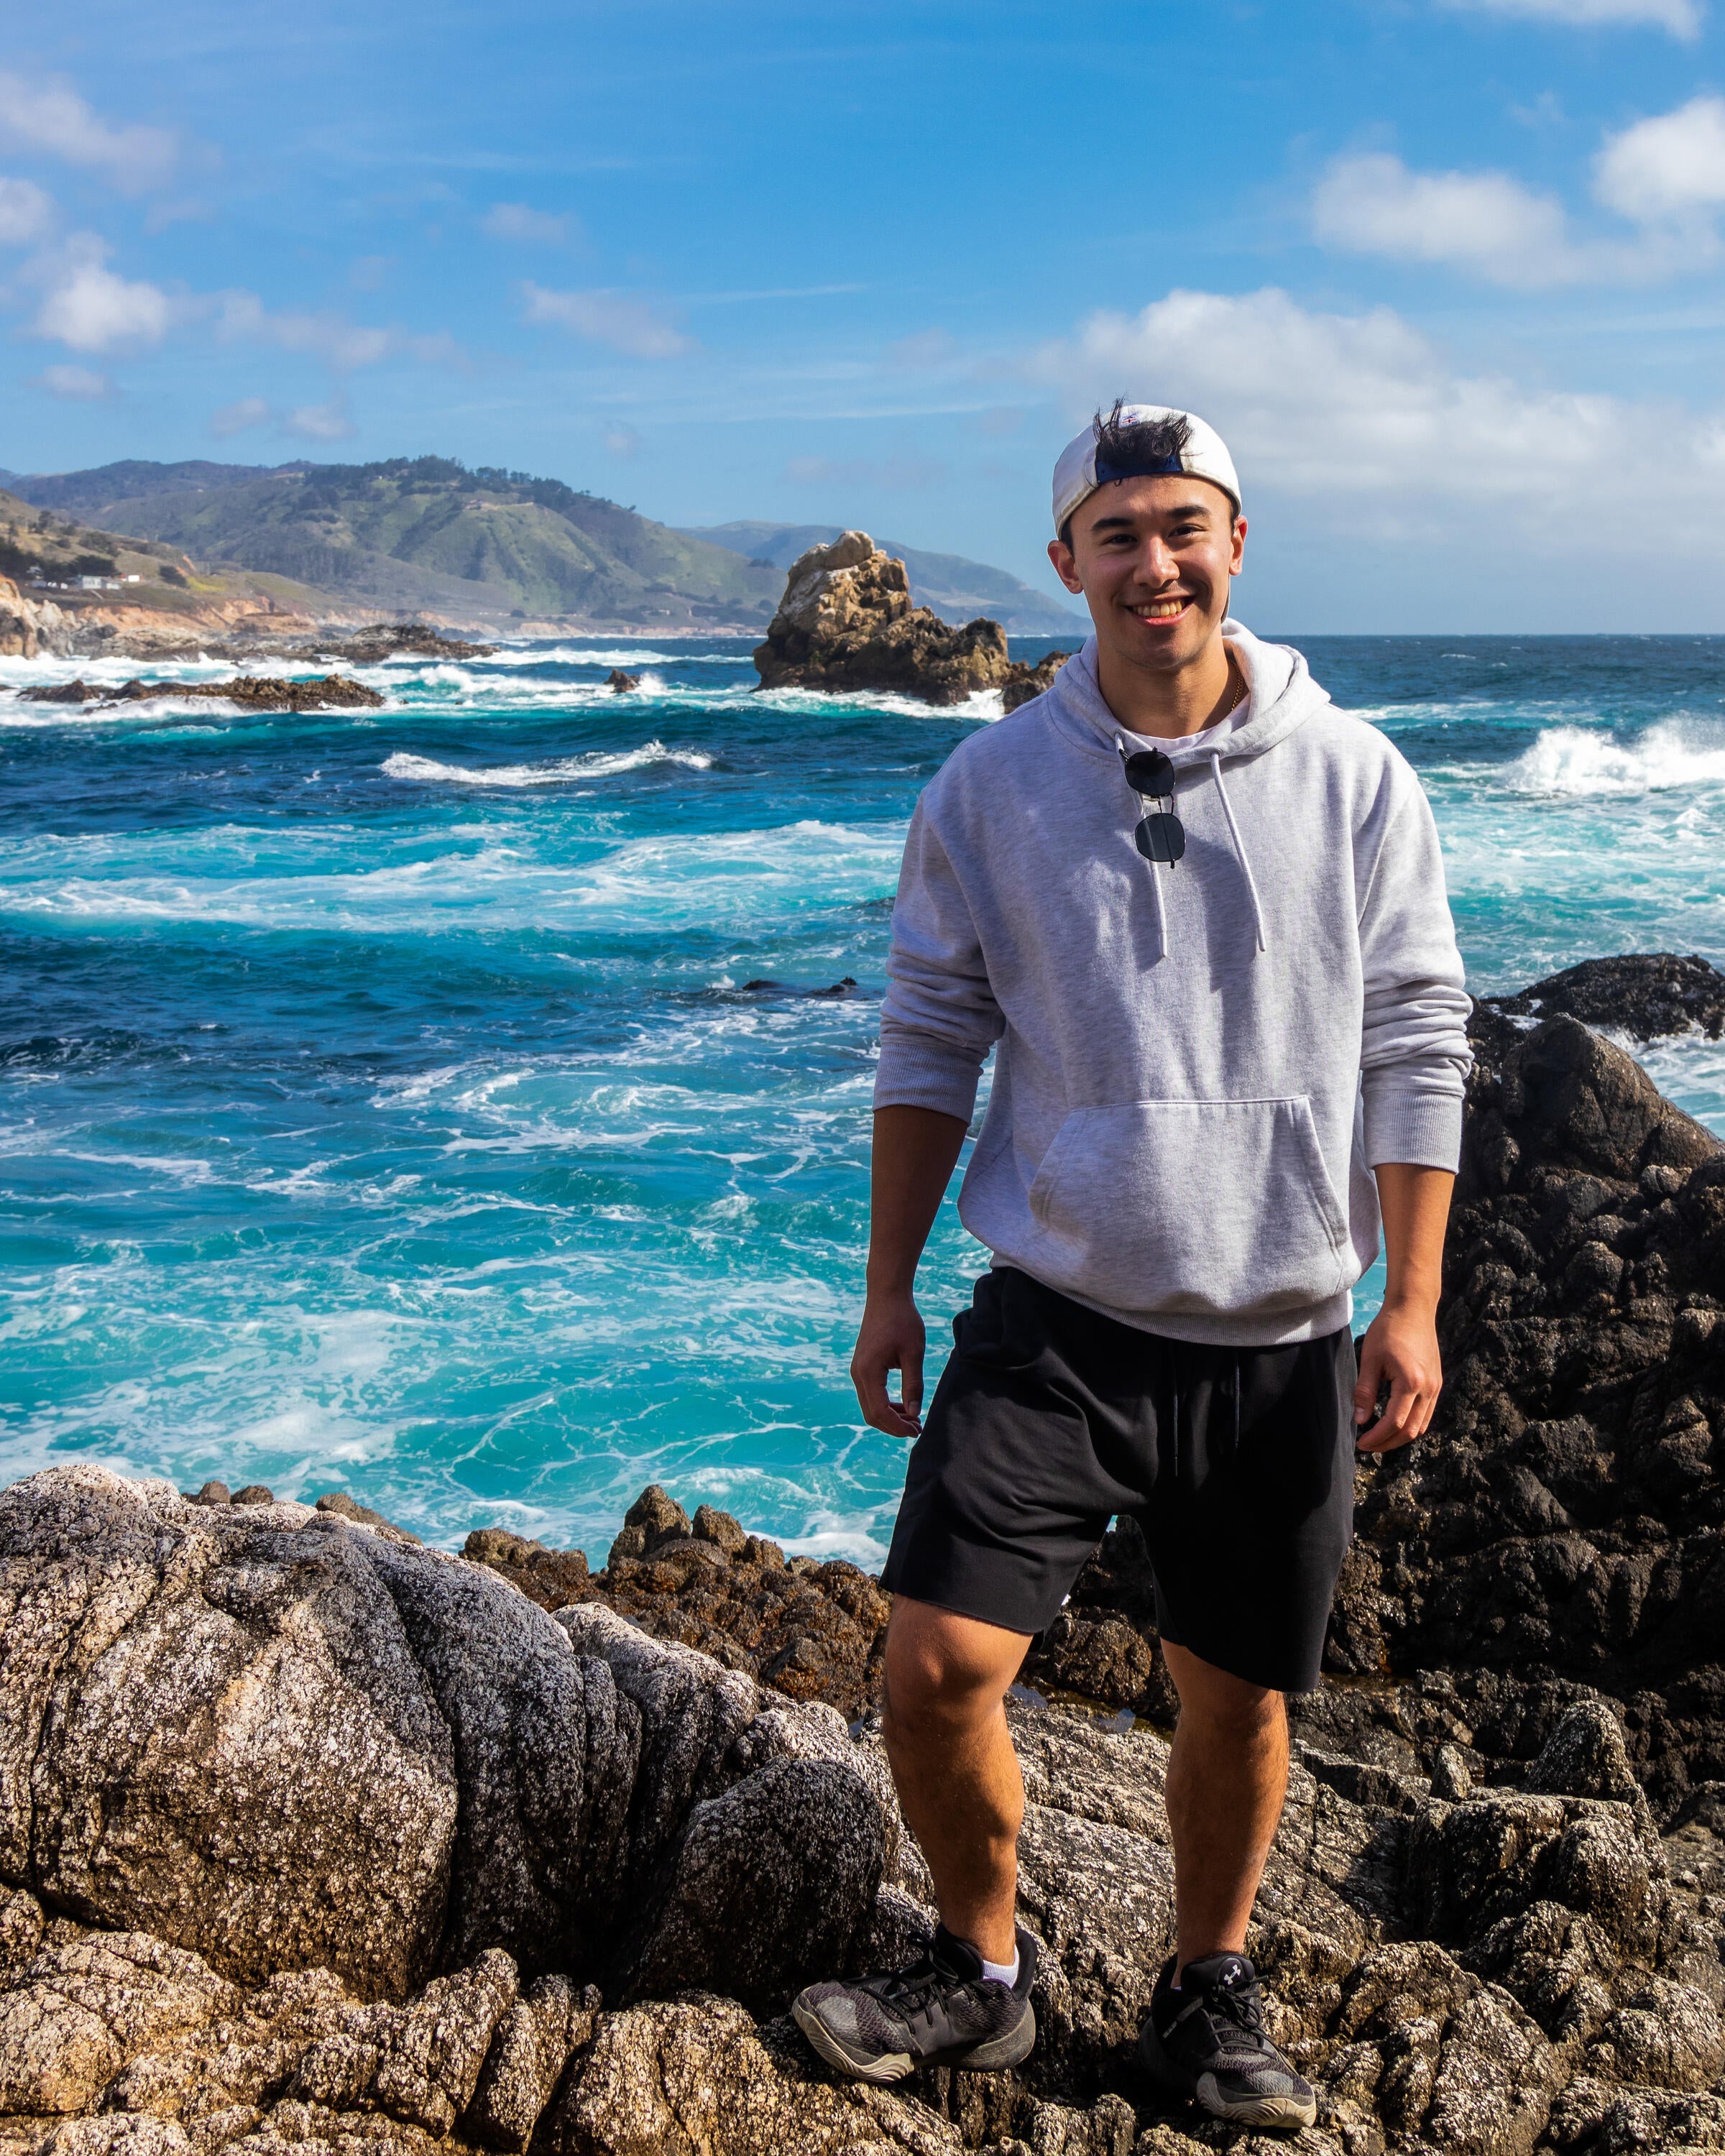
{"points": [[1064, 566], [1239, 533]]}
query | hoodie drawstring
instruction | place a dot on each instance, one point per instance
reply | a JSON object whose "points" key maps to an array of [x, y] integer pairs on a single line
{"points": [[1239, 851]]}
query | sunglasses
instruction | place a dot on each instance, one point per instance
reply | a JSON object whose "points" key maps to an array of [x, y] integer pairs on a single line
{"points": [[1161, 835]]}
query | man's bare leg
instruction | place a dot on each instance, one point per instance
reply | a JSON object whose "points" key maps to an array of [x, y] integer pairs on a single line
{"points": [[1226, 1780], [953, 1764]]}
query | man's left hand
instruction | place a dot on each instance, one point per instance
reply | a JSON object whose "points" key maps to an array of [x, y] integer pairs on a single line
{"points": [[1400, 1349]]}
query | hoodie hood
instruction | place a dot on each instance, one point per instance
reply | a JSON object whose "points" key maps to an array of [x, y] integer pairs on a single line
{"points": [[1282, 696]]}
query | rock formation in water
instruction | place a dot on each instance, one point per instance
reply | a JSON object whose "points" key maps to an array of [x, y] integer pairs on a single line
{"points": [[846, 622], [252, 692], [312, 1838], [387, 639]]}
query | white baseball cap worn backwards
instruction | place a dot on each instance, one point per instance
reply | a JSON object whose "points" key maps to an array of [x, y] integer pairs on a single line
{"points": [[1084, 466]]}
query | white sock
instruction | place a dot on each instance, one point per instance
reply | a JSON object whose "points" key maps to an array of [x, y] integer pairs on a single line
{"points": [[1002, 1972]]}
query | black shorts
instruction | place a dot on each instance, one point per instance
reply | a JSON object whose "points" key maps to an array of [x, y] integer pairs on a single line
{"points": [[1049, 1419]]}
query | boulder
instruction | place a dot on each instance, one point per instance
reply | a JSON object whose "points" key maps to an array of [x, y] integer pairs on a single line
{"points": [[846, 622]]}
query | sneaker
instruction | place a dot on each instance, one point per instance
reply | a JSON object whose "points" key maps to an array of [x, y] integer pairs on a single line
{"points": [[1208, 2040], [941, 2011]]}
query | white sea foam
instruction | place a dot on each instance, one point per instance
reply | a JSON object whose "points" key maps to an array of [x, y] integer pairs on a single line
{"points": [[1569, 760], [427, 771]]}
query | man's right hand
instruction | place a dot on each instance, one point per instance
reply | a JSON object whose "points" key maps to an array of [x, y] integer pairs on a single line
{"points": [[891, 1338]]}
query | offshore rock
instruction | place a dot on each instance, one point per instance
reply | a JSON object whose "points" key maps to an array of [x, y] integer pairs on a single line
{"points": [[389, 639], [252, 692], [846, 622]]}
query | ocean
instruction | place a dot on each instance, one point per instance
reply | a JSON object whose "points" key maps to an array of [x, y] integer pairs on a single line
{"points": [[465, 1104]]}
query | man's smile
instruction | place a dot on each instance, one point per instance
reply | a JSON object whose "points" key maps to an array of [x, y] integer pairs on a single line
{"points": [[1159, 609]]}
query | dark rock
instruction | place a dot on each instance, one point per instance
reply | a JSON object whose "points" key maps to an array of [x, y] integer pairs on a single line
{"points": [[65, 692], [259, 693], [622, 683], [212, 1493], [387, 639], [1644, 995], [549, 1577], [1024, 680], [254, 1493]]}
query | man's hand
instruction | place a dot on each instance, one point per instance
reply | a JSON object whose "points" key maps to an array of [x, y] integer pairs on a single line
{"points": [[1401, 1350], [914, 1155], [891, 1338]]}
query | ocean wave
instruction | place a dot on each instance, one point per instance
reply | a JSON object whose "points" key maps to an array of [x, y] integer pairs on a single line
{"points": [[426, 771], [572, 655], [1572, 760]]}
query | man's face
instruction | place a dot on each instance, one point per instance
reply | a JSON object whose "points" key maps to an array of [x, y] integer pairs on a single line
{"points": [[1153, 558]]}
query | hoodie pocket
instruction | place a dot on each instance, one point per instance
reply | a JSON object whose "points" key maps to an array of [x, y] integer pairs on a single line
{"points": [[1202, 1206]]}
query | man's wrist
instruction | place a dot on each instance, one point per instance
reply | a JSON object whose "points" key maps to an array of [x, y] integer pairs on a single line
{"points": [[889, 1284], [1421, 1303]]}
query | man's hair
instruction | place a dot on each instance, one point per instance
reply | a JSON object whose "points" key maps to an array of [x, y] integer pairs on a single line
{"points": [[1127, 449]]}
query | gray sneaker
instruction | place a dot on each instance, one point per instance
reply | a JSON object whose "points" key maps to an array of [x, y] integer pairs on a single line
{"points": [[941, 2011], [1208, 2040]]}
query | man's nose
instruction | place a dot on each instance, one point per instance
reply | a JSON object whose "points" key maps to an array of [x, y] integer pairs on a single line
{"points": [[1156, 563]]}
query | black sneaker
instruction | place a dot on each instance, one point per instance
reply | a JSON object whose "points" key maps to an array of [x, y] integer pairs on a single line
{"points": [[941, 2011], [1208, 2040]]}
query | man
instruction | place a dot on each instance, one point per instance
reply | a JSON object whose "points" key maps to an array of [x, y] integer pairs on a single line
{"points": [[1202, 914]]}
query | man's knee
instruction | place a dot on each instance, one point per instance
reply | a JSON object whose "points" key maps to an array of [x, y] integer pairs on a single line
{"points": [[944, 1671], [1218, 1701]]}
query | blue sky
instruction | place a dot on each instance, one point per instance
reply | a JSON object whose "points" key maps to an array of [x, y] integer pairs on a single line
{"points": [[1447, 276]]}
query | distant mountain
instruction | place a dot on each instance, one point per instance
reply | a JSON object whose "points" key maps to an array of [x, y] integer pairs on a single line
{"points": [[958, 590], [426, 534]]}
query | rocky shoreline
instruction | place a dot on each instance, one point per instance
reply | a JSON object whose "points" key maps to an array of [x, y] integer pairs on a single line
{"points": [[312, 1838]]}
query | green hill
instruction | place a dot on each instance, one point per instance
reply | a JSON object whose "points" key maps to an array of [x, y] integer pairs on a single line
{"points": [[427, 534], [958, 590]]}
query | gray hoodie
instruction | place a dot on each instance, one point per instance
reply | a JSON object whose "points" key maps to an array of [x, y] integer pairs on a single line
{"points": [[1199, 1063]]}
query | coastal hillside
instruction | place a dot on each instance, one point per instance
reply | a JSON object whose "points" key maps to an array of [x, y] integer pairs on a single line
{"points": [[955, 589], [426, 533], [101, 581]]}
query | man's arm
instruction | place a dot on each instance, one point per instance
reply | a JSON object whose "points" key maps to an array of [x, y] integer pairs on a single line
{"points": [[914, 1151], [1401, 1344]]}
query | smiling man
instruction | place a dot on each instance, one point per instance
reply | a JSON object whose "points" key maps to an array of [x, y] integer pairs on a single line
{"points": [[1200, 915]]}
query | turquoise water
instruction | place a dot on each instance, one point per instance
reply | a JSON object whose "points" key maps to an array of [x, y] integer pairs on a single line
{"points": [[385, 1103]]}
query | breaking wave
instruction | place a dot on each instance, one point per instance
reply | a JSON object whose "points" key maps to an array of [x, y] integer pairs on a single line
{"points": [[566, 770], [1568, 760]]}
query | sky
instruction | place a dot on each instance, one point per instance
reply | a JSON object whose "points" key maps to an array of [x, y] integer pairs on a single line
{"points": [[1447, 275]]}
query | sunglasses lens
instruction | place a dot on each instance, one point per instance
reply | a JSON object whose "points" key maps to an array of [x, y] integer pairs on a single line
{"points": [[1162, 837], [1150, 771]]}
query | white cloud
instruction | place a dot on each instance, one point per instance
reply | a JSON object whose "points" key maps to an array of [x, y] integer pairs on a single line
{"points": [[241, 316], [90, 309], [1485, 222], [57, 121], [78, 385], [1670, 169], [321, 423], [234, 418], [634, 326], [26, 213], [1363, 418], [1682, 18], [518, 223], [624, 442]]}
